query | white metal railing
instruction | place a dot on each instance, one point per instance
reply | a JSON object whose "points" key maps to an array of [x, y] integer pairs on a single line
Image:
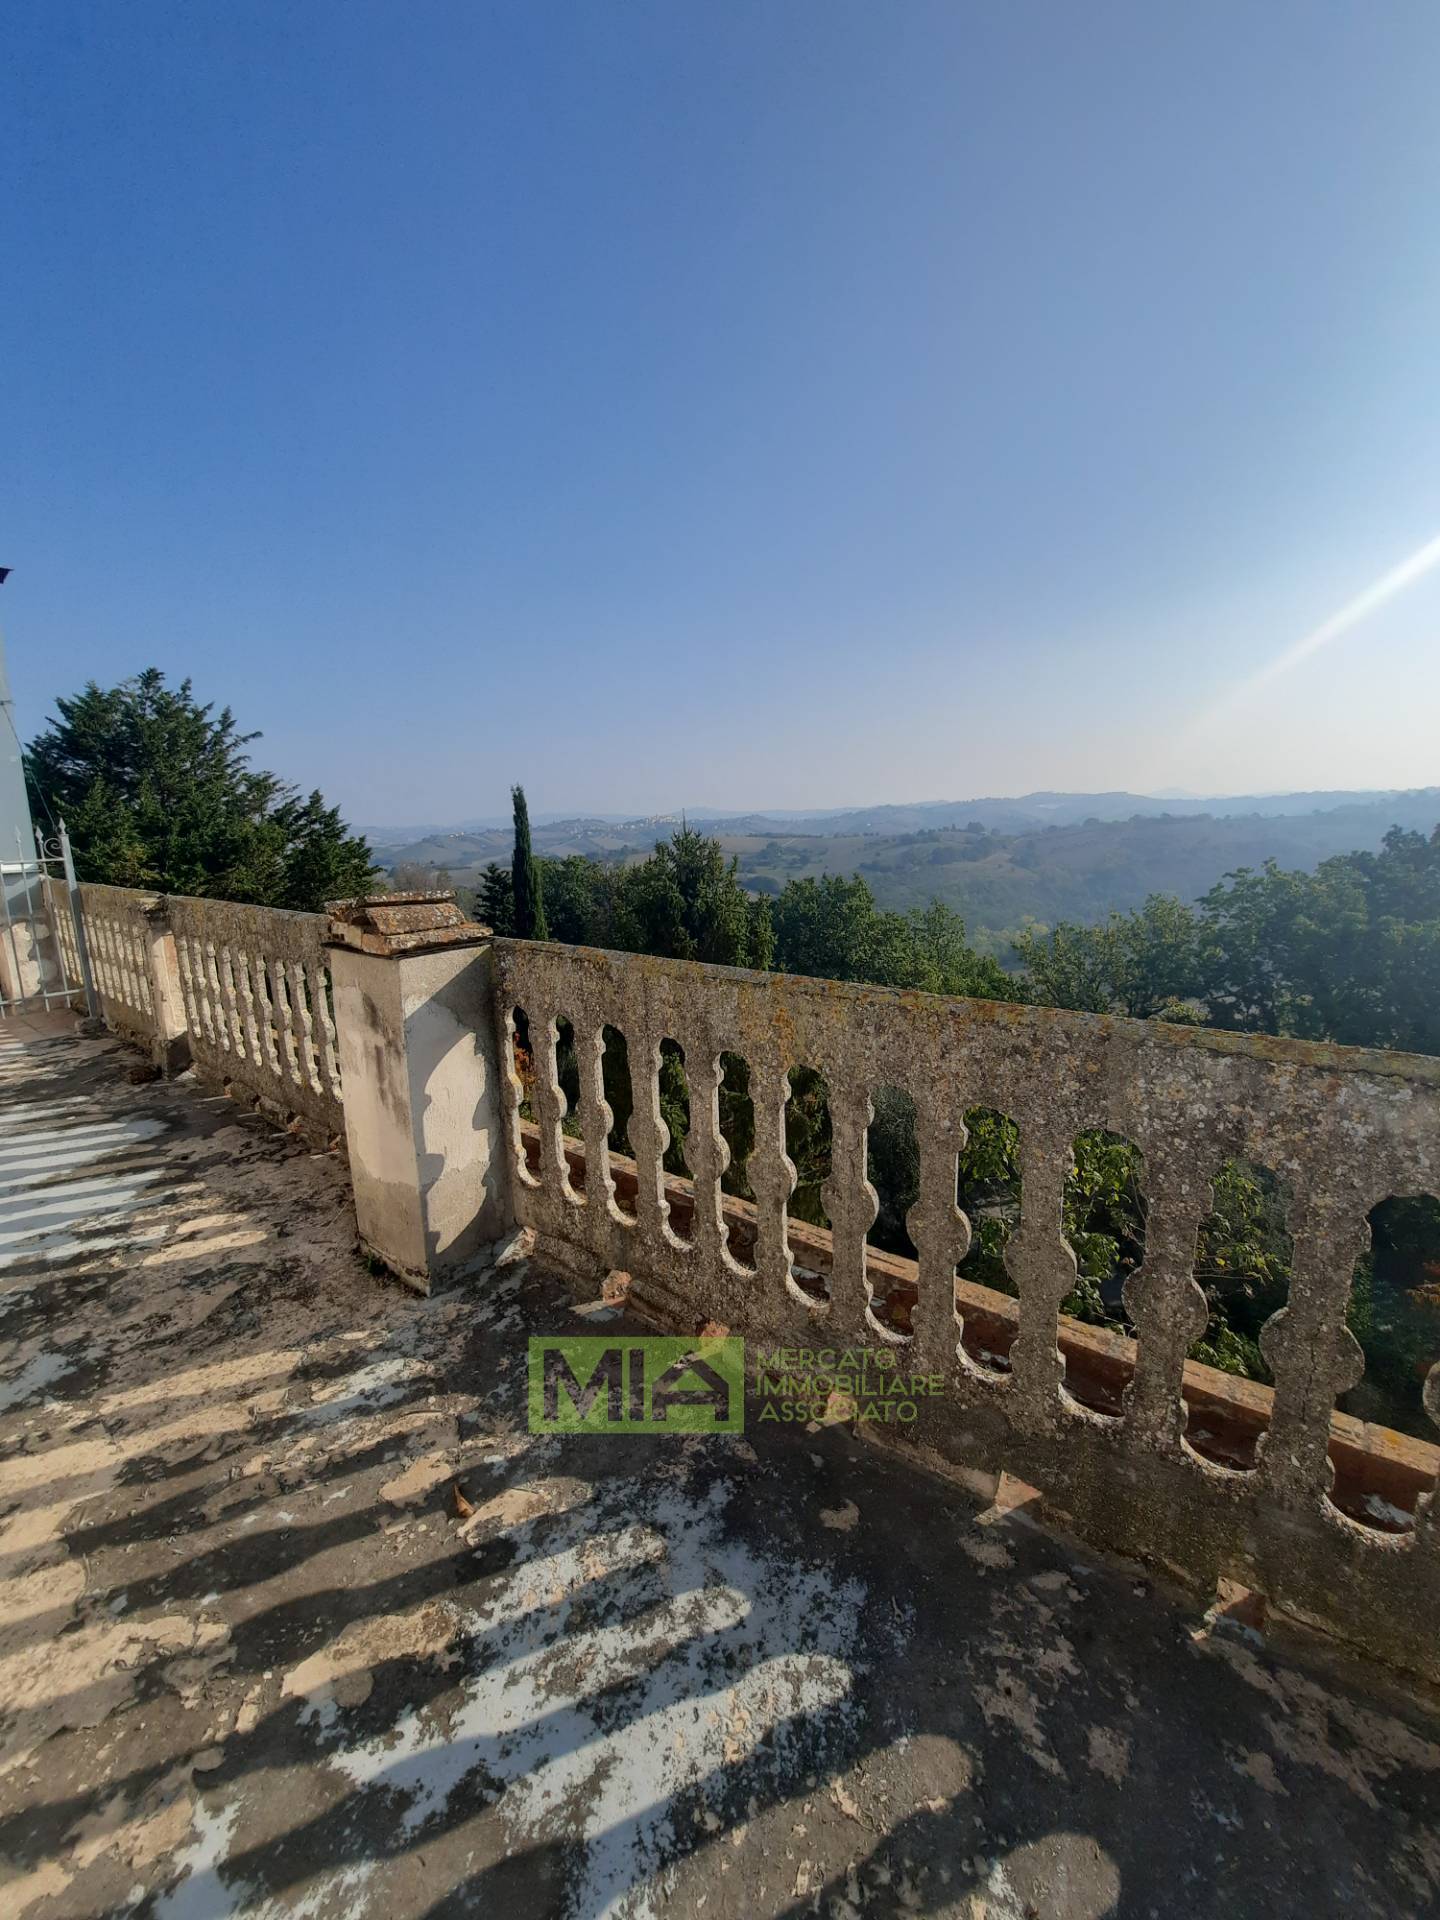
{"points": [[40, 960]]}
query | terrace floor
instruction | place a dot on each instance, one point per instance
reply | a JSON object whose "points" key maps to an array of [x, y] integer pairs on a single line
{"points": [[253, 1661]]}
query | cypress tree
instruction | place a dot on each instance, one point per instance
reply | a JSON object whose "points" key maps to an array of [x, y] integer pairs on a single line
{"points": [[529, 905]]}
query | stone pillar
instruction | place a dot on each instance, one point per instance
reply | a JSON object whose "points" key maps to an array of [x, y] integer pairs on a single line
{"points": [[414, 1020], [171, 1040]]}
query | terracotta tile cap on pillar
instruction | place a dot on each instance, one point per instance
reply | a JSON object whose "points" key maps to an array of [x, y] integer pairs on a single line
{"points": [[398, 923]]}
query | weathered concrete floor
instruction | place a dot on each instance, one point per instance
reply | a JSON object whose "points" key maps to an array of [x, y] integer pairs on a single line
{"points": [[251, 1661]]}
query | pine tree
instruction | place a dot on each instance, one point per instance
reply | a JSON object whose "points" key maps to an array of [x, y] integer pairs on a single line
{"points": [[158, 792], [529, 901]]}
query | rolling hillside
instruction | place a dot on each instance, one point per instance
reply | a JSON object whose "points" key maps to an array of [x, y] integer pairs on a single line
{"points": [[997, 879]]}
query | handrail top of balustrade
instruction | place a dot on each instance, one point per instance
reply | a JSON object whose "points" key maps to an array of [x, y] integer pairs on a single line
{"points": [[1270, 1049]]}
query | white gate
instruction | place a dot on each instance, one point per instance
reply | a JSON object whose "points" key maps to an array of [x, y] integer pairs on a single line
{"points": [[43, 962]]}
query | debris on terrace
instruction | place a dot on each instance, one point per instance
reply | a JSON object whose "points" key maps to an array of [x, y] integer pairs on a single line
{"points": [[299, 1617]]}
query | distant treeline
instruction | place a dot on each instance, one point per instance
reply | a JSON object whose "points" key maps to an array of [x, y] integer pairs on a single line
{"points": [[686, 903], [1350, 952]]}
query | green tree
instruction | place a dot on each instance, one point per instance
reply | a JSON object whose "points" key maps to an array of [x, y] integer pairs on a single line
{"points": [[1349, 953], [1394, 1313], [737, 1123], [311, 856], [1247, 950], [157, 791], [830, 927], [529, 898], [674, 1090], [826, 927], [1069, 966], [928, 951], [687, 903], [1146, 964], [495, 899], [892, 1167]]}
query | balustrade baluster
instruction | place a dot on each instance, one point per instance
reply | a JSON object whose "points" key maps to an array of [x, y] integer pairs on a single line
{"points": [[284, 1021], [852, 1204], [203, 989], [1040, 1262], [596, 1120], [649, 1136], [327, 1057], [194, 995], [217, 998], [549, 1104], [940, 1231], [1166, 1305], [1310, 1350], [139, 960], [304, 1025], [772, 1180], [706, 1153], [95, 934], [240, 967], [265, 1014], [122, 962], [231, 1001], [129, 993], [114, 983], [512, 1094]]}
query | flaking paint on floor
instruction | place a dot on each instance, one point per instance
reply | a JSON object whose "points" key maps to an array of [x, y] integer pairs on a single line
{"points": [[263, 1664]]}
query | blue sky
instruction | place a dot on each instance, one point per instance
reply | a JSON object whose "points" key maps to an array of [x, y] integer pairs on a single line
{"points": [[788, 404]]}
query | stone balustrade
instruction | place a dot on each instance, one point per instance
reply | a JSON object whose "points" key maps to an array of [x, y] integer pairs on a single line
{"points": [[257, 1002], [1344, 1128], [57, 902], [455, 1134], [243, 993], [117, 935]]}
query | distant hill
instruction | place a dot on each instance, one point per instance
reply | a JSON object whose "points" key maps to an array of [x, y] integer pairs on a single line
{"points": [[389, 839], [1024, 813], [1029, 811], [999, 863]]}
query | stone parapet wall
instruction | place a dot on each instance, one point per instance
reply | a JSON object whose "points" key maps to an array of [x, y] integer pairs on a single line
{"points": [[1380, 1475], [1131, 1441], [256, 988], [1344, 1128], [116, 928], [245, 990], [57, 903]]}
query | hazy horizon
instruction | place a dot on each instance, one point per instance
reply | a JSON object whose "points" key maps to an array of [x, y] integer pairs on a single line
{"points": [[827, 402], [702, 813]]}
